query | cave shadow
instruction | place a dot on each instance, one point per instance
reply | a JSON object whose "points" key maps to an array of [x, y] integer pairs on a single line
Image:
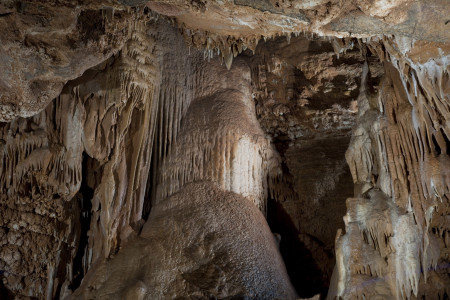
{"points": [[303, 272], [5, 293], [84, 198]]}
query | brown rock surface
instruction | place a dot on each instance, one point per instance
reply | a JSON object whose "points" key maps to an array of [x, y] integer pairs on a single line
{"points": [[86, 158], [112, 113], [44, 44], [396, 243], [200, 243], [47, 43], [305, 95]]}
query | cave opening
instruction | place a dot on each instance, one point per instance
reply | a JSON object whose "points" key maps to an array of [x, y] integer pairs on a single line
{"points": [[302, 269]]}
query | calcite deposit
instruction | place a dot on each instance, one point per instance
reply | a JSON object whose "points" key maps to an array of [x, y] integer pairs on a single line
{"points": [[398, 220], [233, 149], [202, 242]]}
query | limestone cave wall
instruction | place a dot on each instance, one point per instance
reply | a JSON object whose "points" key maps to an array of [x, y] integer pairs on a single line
{"points": [[396, 230], [220, 149]]}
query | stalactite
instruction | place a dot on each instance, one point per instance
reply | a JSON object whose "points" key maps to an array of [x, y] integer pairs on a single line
{"points": [[224, 144], [403, 180], [154, 102]]}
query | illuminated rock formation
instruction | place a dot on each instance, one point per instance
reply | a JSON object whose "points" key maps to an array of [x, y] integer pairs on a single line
{"points": [[202, 242], [396, 233], [166, 140]]}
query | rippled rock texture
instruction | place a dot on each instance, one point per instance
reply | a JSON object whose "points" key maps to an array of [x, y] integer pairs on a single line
{"points": [[224, 149]]}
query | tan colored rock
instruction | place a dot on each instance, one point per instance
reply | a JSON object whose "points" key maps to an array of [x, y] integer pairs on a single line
{"points": [[45, 44], [89, 150], [221, 140], [201, 242], [399, 162], [114, 113]]}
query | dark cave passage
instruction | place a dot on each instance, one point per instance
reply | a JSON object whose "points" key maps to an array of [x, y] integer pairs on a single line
{"points": [[320, 179], [303, 271], [84, 197]]}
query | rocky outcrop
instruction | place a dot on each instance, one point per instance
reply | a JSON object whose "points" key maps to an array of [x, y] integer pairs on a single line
{"points": [[47, 43], [396, 240]]}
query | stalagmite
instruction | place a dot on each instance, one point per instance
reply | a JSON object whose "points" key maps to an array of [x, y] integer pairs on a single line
{"points": [[394, 177], [224, 149], [225, 145], [213, 150]]}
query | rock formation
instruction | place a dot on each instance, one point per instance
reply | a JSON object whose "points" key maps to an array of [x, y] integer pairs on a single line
{"points": [[396, 228], [184, 251], [224, 149]]}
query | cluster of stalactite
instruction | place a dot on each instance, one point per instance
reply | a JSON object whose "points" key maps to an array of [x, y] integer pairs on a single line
{"points": [[396, 243], [225, 144], [78, 178], [220, 155], [103, 150], [105, 122]]}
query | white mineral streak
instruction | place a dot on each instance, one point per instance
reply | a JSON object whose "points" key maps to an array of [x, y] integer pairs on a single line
{"points": [[400, 165], [221, 140]]}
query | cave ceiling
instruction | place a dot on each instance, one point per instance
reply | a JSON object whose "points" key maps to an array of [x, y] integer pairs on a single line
{"points": [[224, 149]]}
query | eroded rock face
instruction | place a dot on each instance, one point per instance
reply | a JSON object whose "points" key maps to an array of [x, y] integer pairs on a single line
{"points": [[47, 43], [113, 114]]}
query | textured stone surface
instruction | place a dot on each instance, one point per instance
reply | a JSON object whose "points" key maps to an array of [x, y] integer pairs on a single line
{"points": [[396, 240], [44, 44], [221, 139], [202, 242], [341, 18], [86, 158], [47, 43], [112, 109], [305, 95]]}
